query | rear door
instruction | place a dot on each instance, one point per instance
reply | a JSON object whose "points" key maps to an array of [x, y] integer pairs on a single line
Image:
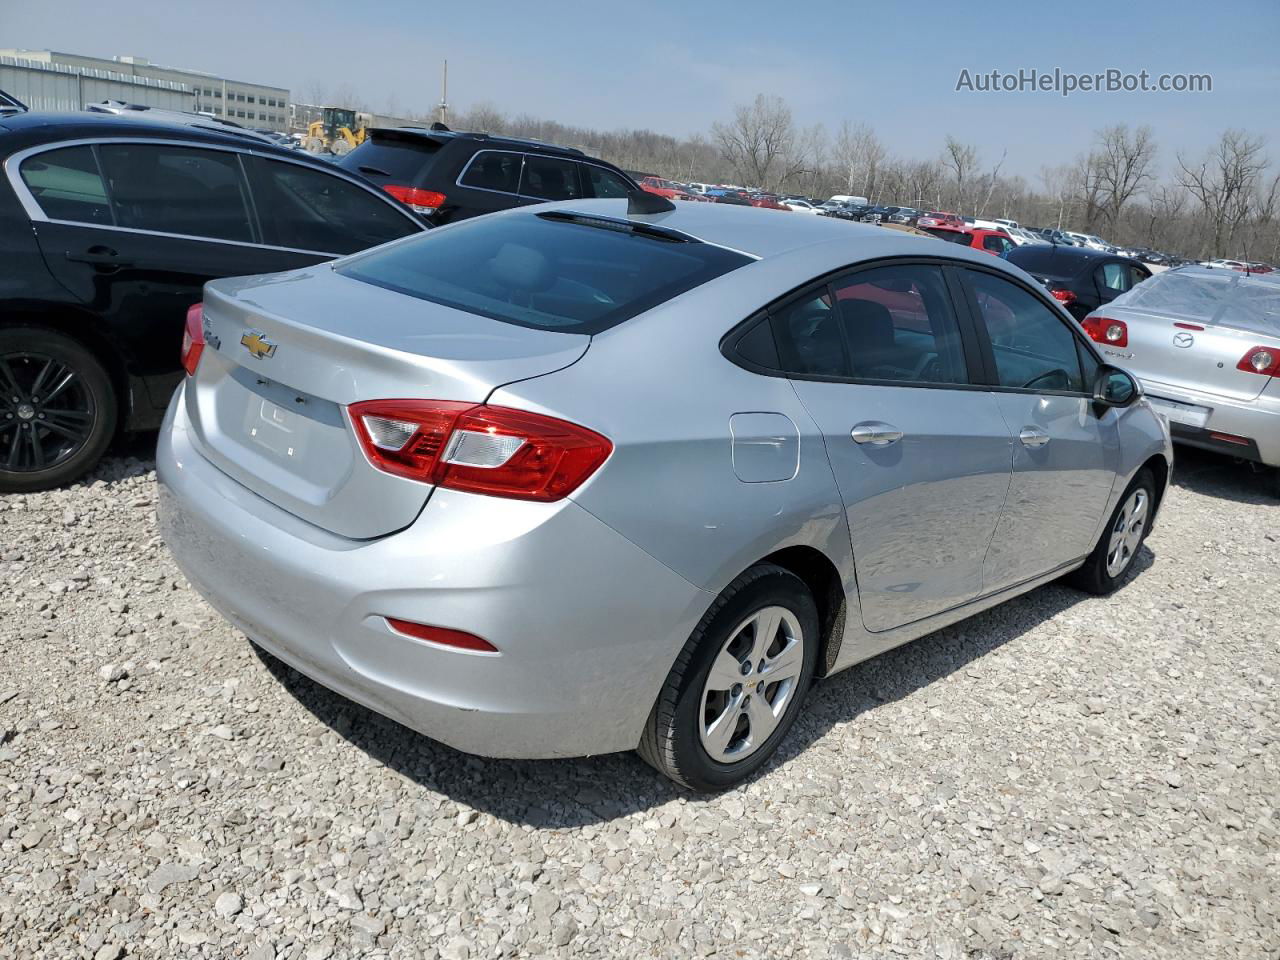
{"points": [[921, 455], [1065, 453], [491, 179]]}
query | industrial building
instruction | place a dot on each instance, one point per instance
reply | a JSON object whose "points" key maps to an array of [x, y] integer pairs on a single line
{"points": [[52, 80]]}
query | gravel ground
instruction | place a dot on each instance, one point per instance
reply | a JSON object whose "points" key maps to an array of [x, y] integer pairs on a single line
{"points": [[1060, 777]]}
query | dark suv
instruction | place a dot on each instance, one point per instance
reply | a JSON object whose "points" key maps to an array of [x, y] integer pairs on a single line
{"points": [[447, 175], [109, 228]]}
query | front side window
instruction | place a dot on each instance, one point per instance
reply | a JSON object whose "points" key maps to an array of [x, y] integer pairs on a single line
{"points": [[554, 271], [996, 244], [310, 209], [182, 190], [67, 185], [605, 183], [549, 178], [1033, 347], [494, 170], [890, 323]]}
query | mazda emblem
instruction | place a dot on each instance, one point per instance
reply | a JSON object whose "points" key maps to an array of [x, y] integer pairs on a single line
{"points": [[1183, 340]]}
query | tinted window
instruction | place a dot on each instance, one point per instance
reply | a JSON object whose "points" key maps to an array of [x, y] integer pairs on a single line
{"points": [[494, 170], [605, 183], [996, 244], [1047, 260], [955, 236], [183, 190], [403, 161], [1033, 346], [547, 270], [889, 323], [549, 178], [67, 185], [309, 209]]}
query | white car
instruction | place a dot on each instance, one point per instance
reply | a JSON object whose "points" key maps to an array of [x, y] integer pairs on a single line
{"points": [[1007, 223], [801, 206]]}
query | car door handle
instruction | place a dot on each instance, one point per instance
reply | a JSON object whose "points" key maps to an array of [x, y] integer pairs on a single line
{"points": [[1033, 437], [99, 257], [876, 433]]}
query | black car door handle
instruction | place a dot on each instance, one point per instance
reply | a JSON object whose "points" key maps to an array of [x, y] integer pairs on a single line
{"points": [[99, 257]]}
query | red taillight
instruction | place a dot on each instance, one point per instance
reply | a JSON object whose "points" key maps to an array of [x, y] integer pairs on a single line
{"points": [[1263, 360], [421, 201], [193, 339], [441, 635], [478, 448], [1063, 296], [1114, 333]]}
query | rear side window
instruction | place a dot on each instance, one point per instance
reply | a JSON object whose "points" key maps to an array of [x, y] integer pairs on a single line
{"points": [[67, 185], [605, 183], [888, 324], [309, 209], [181, 190], [494, 170], [1114, 276], [551, 271], [549, 178]]}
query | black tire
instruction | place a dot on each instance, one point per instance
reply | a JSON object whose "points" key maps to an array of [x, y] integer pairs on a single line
{"points": [[672, 738], [1095, 577], [37, 448]]}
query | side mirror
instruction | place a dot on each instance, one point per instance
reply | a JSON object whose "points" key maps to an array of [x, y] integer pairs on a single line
{"points": [[1115, 387]]}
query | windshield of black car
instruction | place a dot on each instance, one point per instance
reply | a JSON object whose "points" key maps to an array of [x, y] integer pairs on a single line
{"points": [[577, 276]]}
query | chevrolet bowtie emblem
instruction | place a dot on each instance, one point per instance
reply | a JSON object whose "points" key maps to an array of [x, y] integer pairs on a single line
{"points": [[257, 344]]}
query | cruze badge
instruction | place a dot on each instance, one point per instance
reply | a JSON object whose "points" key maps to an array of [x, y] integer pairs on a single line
{"points": [[1183, 339], [258, 345]]}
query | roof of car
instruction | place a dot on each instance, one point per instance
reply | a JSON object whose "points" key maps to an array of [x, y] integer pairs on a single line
{"points": [[442, 136], [27, 129], [765, 233]]}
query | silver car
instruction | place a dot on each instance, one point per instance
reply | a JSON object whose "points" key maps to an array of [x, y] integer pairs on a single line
{"points": [[573, 478], [1205, 343]]}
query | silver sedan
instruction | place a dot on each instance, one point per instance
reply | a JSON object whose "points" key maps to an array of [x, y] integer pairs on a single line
{"points": [[595, 476], [1205, 343]]}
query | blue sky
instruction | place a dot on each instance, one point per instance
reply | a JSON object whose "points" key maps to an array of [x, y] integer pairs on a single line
{"points": [[677, 66]]}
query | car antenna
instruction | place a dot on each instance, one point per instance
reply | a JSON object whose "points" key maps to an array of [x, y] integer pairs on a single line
{"points": [[437, 125], [642, 201]]}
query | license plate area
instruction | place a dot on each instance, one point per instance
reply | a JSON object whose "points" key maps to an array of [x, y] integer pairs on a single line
{"points": [[274, 428], [1175, 411]]}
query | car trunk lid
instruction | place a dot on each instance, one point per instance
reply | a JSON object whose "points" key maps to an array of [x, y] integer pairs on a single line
{"points": [[288, 353]]}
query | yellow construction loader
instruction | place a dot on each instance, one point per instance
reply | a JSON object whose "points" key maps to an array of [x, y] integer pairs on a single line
{"points": [[335, 132]]}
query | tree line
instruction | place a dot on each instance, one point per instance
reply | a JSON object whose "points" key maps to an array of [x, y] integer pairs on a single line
{"points": [[1223, 202]]}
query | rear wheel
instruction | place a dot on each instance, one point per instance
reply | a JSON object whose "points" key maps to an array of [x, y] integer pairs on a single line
{"points": [[1122, 538], [737, 685], [57, 409]]}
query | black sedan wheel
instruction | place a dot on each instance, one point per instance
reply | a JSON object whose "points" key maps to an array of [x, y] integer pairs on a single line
{"points": [[57, 409]]}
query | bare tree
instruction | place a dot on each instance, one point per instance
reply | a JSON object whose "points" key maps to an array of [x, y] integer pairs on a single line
{"points": [[1224, 182], [1122, 165], [962, 160], [759, 142], [992, 178]]}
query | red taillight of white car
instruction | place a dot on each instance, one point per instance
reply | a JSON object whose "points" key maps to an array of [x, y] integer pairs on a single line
{"points": [[424, 202], [1113, 333], [193, 339], [478, 448], [1263, 360]]}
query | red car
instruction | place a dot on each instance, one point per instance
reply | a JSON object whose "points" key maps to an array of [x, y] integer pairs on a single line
{"points": [[767, 201], [994, 242], [666, 188], [940, 218]]}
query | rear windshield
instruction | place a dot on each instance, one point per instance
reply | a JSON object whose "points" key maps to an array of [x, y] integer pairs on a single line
{"points": [[1235, 300], [402, 161], [955, 236], [540, 270], [1045, 260]]}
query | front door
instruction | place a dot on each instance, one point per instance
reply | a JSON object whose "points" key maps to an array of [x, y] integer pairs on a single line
{"points": [[920, 455], [1065, 452]]}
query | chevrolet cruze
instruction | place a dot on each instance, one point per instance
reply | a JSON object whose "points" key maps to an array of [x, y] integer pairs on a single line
{"points": [[609, 475]]}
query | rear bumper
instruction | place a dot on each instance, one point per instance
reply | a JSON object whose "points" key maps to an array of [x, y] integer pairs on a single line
{"points": [[1256, 421], [586, 623]]}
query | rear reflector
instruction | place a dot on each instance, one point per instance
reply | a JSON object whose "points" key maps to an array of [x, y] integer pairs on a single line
{"points": [[193, 339], [478, 448], [1231, 438], [1263, 360], [441, 635], [425, 202], [1114, 333]]}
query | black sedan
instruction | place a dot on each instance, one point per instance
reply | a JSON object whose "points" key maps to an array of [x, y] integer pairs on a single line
{"points": [[1078, 278], [109, 228]]}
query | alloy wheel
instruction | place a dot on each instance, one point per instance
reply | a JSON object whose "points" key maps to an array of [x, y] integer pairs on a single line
{"points": [[47, 412], [1126, 532], [751, 683]]}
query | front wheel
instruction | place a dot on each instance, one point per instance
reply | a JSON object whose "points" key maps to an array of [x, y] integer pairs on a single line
{"points": [[1122, 538], [737, 684]]}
